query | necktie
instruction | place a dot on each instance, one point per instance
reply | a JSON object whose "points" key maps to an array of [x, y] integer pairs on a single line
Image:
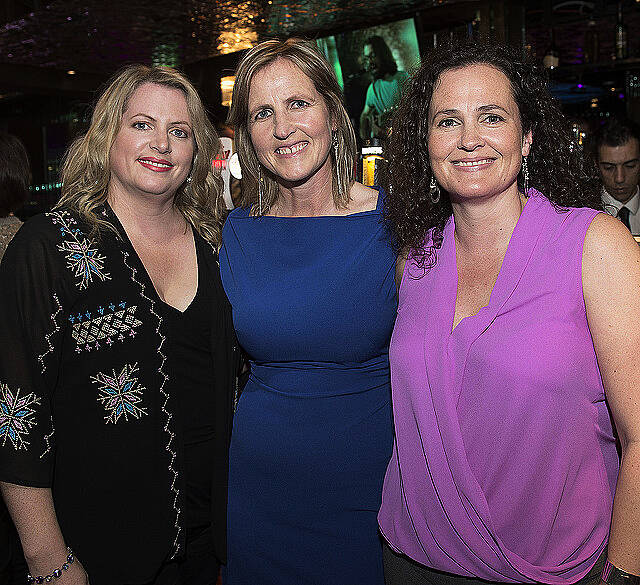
{"points": [[623, 214]]}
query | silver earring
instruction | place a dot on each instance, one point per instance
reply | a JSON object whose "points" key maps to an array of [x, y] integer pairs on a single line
{"points": [[334, 144], [434, 190], [189, 179], [525, 174], [259, 190]]}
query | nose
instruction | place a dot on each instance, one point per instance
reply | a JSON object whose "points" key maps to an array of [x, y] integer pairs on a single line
{"points": [[470, 137], [619, 177], [282, 126], [160, 141]]}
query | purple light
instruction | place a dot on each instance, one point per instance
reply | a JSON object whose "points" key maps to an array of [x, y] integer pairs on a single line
{"points": [[580, 86], [621, 96]]}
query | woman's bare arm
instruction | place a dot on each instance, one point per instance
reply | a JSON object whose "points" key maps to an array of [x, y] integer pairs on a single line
{"points": [[44, 547], [611, 286]]}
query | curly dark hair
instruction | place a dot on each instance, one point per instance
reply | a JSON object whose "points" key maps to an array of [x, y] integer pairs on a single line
{"points": [[557, 166]]}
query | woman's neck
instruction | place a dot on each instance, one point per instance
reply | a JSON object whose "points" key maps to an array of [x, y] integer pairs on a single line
{"points": [[154, 220], [485, 226], [311, 198]]}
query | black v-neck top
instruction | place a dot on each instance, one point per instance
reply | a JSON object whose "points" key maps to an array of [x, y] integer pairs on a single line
{"points": [[97, 407], [190, 368]]}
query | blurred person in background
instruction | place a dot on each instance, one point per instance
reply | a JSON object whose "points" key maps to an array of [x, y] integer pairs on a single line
{"points": [[15, 176], [116, 395], [617, 145]]}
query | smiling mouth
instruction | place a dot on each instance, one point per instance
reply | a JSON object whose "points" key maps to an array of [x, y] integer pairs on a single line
{"points": [[291, 149], [471, 164], [155, 165]]}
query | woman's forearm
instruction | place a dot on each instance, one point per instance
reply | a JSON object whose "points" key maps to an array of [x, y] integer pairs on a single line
{"points": [[624, 540], [34, 515]]}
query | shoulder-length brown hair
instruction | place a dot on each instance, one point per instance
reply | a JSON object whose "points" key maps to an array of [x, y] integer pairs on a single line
{"points": [[86, 171], [304, 55]]}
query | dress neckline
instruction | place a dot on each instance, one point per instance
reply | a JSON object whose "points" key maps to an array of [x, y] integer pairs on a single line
{"points": [[108, 211], [377, 210], [513, 264]]}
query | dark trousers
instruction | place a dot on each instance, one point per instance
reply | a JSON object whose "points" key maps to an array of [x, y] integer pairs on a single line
{"points": [[401, 570]]}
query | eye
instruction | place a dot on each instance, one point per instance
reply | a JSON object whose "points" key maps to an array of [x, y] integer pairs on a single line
{"points": [[631, 165], [140, 125], [262, 114], [493, 119], [179, 133], [447, 123], [606, 167], [299, 104]]}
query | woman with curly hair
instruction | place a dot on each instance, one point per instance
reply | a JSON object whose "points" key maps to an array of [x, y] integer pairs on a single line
{"points": [[116, 393], [516, 328]]}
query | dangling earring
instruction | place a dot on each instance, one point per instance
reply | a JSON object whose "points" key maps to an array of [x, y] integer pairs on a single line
{"points": [[525, 174], [259, 190], [434, 190], [189, 179], [334, 144]]}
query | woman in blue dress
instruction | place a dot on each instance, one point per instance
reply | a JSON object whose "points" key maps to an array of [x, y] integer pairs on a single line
{"points": [[309, 271]]}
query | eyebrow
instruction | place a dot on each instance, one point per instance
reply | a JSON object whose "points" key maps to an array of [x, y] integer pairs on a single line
{"points": [[292, 98], [487, 108], [624, 162], [154, 120]]}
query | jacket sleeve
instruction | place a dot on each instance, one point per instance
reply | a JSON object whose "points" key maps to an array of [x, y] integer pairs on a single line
{"points": [[33, 295]]}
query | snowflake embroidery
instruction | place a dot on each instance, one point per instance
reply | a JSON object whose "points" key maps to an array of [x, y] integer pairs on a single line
{"points": [[16, 416], [120, 394], [82, 257]]}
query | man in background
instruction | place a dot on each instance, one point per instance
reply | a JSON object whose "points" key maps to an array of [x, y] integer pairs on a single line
{"points": [[384, 92], [618, 158]]}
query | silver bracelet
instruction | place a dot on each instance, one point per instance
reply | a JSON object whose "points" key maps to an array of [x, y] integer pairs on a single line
{"points": [[56, 573], [614, 576]]}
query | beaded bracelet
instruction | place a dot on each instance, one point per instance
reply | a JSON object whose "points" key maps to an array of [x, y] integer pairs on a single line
{"points": [[614, 576], [56, 574]]}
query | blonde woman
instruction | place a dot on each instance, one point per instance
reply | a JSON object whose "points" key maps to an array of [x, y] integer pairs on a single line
{"points": [[115, 398]]}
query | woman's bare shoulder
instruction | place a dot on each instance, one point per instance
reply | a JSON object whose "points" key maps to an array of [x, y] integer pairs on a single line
{"points": [[362, 198]]}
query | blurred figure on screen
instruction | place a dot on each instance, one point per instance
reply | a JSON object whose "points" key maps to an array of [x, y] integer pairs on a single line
{"points": [[618, 158], [384, 92]]}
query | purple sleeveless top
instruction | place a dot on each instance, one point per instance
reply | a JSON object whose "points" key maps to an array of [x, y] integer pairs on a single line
{"points": [[504, 463]]}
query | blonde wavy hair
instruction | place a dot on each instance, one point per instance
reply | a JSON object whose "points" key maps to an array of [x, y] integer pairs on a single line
{"points": [[86, 172], [304, 55]]}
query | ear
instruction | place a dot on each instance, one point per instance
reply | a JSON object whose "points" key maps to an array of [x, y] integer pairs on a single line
{"points": [[526, 143]]}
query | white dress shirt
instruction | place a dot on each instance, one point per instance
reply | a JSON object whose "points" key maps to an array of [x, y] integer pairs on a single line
{"points": [[612, 206]]}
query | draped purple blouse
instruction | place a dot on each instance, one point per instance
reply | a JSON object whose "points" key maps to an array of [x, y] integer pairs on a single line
{"points": [[504, 463]]}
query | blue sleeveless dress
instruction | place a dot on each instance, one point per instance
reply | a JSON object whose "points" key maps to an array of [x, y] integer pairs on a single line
{"points": [[313, 305]]}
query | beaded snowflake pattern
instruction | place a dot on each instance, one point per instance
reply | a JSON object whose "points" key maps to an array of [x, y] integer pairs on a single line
{"points": [[83, 258], [120, 394], [17, 416]]}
